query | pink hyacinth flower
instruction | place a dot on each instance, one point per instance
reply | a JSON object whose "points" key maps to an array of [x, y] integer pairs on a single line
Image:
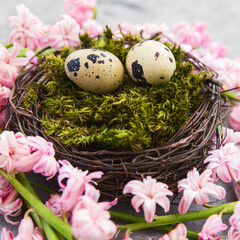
{"points": [[126, 27], [12, 152], [10, 205], [43, 156], [224, 163], [92, 27], [10, 64], [21, 154], [178, 233], [195, 36], [80, 10], [92, 192], [149, 29], [126, 236], [218, 50], [5, 187], [228, 135], [64, 33], [231, 136], [90, 221], [228, 69], [4, 95], [233, 235], [76, 181], [212, 226], [196, 188], [234, 220], [7, 235], [234, 118], [26, 230], [27, 29], [148, 193], [55, 205]]}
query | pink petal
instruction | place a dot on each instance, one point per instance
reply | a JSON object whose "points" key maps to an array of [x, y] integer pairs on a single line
{"points": [[186, 201], [134, 184], [237, 190], [6, 235], [149, 208], [204, 177], [234, 220], [137, 202], [26, 228], [223, 174], [164, 237], [178, 233], [164, 203]]}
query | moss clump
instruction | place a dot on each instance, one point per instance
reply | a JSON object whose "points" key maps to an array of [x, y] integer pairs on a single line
{"points": [[132, 118]]}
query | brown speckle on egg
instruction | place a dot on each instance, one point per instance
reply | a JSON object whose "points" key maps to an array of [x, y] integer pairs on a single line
{"points": [[86, 65], [73, 65], [93, 58], [156, 55], [137, 72]]}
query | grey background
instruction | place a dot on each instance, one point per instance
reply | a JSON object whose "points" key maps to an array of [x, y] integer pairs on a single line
{"points": [[222, 18]]}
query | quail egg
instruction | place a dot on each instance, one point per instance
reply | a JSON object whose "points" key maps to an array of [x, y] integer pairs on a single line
{"points": [[94, 70], [150, 63]]}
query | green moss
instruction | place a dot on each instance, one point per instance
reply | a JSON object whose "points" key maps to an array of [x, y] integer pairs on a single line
{"points": [[133, 117], [33, 94]]}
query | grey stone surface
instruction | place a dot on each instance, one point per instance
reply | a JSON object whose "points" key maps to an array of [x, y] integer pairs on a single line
{"points": [[221, 16]]}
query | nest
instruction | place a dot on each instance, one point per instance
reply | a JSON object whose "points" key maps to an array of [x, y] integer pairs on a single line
{"points": [[168, 163]]}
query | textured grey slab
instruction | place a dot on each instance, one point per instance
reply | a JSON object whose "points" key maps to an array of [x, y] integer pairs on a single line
{"points": [[221, 16]]}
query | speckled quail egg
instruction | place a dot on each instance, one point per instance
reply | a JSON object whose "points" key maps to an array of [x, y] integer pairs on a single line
{"points": [[95, 70], [150, 63]]}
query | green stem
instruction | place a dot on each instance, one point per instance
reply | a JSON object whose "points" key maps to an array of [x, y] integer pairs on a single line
{"points": [[230, 95], [40, 208], [227, 208], [136, 219], [36, 218], [48, 230], [46, 52], [43, 225], [208, 205], [8, 45], [22, 52], [38, 52]]}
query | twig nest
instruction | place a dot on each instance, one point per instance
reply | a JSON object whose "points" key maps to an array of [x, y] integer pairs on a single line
{"points": [[150, 63], [94, 70]]}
